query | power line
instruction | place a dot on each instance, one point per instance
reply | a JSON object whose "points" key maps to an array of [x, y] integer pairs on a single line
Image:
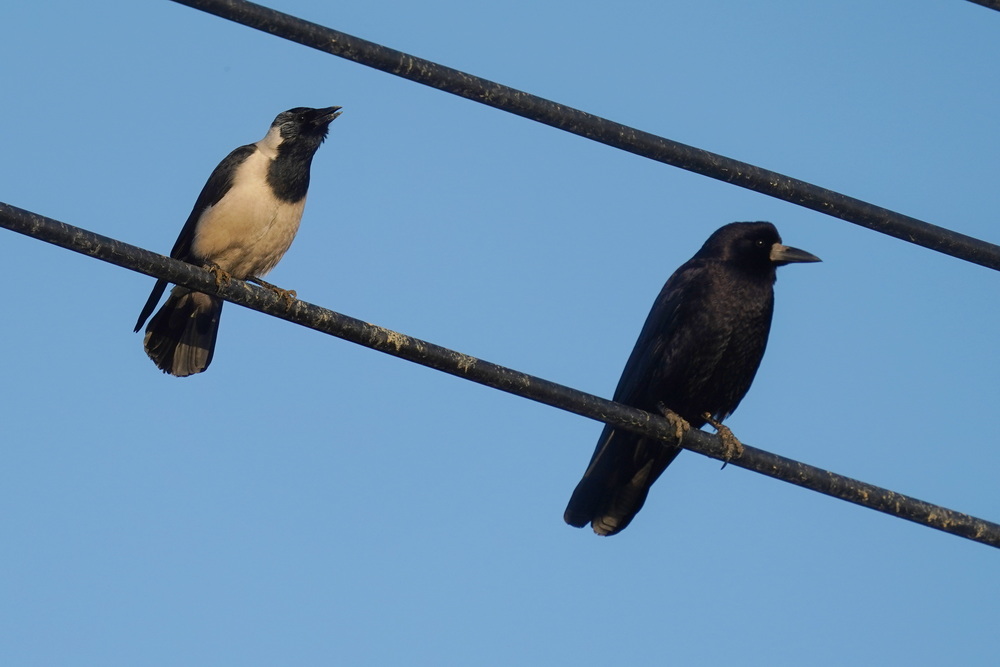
{"points": [[493, 375], [605, 131], [992, 4]]}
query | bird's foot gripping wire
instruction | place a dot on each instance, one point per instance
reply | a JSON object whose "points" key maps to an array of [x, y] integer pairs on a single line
{"points": [[222, 276], [288, 295], [679, 423], [733, 447]]}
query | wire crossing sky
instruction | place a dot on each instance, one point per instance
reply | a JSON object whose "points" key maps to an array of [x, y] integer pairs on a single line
{"points": [[497, 377], [614, 134], [992, 4]]}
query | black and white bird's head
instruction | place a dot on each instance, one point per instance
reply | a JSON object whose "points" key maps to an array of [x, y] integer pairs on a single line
{"points": [[298, 131], [290, 143], [755, 246], [306, 125]]}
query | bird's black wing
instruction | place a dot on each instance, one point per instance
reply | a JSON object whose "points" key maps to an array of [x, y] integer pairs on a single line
{"points": [[670, 338], [218, 184], [624, 464]]}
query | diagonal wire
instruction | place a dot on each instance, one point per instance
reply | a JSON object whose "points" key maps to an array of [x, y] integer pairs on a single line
{"points": [[992, 4], [605, 131], [493, 375]]}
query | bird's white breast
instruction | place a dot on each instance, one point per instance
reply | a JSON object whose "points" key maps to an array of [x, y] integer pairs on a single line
{"points": [[250, 229]]}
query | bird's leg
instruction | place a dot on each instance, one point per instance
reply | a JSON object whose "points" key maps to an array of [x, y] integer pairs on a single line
{"points": [[734, 448], [679, 423], [222, 276], [288, 295]]}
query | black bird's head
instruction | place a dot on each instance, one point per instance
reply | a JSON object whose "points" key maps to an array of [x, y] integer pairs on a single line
{"points": [[305, 125], [291, 143], [752, 245]]}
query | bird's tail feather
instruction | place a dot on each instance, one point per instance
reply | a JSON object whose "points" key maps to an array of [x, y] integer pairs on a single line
{"points": [[180, 338], [624, 503], [615, 486], [154, 298], [606, 504], [590, 493]]}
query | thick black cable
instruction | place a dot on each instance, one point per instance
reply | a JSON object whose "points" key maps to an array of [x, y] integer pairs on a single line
{"points": [[992, 4], [492, 375], [605, 131]]}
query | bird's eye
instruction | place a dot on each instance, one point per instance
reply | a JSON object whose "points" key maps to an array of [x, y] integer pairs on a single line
{"points": [[760, 243]]}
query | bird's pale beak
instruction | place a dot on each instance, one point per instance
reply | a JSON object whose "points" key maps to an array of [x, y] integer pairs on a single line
{"points": [[783, 254], [327, 115]]}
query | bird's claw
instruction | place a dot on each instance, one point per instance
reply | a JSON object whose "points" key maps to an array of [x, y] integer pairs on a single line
{"points": [[681, 426], [222, 277], [733, 447], [288, 295]]}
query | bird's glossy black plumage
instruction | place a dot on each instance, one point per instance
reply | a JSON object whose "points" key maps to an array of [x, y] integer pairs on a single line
{"points": [[697, 353], [242, 223]]}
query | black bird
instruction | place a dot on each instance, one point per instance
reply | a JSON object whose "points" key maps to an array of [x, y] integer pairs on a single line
{"points": [[242, 223], [696, 356]]}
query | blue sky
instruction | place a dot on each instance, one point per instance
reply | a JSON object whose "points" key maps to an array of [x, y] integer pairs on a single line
{"points": [[309, 501]]}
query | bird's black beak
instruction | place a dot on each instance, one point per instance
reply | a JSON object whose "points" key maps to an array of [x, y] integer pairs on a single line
{"points": [[325, 116], [783, 254]]}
